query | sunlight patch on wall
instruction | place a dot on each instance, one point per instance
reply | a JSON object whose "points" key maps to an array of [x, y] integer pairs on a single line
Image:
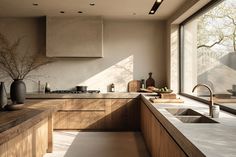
{"points": [[119, 74], [174, 62]]}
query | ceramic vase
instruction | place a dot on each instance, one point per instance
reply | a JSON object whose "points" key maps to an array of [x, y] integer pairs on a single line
{"points": [[18, 91], [3, 96]]}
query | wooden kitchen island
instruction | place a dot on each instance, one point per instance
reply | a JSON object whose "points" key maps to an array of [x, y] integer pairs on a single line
{"points": [[28, 132]]}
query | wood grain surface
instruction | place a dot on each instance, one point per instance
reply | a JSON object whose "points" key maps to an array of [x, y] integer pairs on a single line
{"points": [[134, 86]]}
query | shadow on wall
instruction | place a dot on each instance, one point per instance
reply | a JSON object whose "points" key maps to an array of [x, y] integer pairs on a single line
{"points": [[119, 74]]}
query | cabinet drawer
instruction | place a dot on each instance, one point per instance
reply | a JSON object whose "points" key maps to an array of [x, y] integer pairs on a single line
{"points": [[79, 120], [85, 104]]}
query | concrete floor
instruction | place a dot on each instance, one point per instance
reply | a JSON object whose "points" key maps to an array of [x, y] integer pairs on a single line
{"points": [[99, 144]]}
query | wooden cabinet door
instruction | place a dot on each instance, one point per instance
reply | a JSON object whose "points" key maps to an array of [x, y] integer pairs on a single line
{"points": [[168, 146], [60, 120], [157, 139], [85, 104], [146, 125], [86, 120], [124, 115]]}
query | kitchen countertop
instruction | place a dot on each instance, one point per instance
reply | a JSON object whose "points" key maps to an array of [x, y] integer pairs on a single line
{"points": [[213, 140], [110, 95], [216, 140]]}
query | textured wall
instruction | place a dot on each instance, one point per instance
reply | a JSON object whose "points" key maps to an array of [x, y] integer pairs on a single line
{"points": [[131, 50]]}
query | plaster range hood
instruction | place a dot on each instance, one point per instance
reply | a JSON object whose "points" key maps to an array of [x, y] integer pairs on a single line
{"points": [[74, 36]]}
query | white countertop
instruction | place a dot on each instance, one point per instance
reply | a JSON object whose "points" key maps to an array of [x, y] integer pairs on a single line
{"points": [[212, 139]]}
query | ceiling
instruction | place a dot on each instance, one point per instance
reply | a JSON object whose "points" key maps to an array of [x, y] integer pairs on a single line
{"points": [[131, 9]]}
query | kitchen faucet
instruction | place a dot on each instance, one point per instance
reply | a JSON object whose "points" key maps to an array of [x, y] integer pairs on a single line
{"points": [[211, 103]]}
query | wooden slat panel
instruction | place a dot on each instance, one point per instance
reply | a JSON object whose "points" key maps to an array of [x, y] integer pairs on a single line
{"points": [[41, 138], [60, 120], [3, 150], [157, 139], [85, 104], [168, 147], [50, 134], [86, 120]]}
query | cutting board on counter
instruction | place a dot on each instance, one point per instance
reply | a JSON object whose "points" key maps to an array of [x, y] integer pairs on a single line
{"points": [[160, 100], [225, 100], [134, 86]]}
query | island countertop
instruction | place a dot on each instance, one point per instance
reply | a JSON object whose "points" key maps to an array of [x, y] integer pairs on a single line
{"points": [[13, 123]]}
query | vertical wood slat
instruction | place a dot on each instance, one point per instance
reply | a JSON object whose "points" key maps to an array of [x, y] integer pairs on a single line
{"points": [[31, 143], [50, 134], [157, 139]]}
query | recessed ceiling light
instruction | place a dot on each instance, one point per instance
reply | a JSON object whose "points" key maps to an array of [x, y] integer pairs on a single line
{"points": [[92, 4], [80, 12], [62, 12], [155, 6], [35, 4]]}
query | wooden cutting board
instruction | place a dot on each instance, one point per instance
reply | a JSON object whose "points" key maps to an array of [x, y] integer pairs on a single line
{"points": [[134, 86], [218, 100], [159, 100]]}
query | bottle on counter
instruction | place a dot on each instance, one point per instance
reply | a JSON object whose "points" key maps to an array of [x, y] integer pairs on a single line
{"points": [[142, 83], [112, 87], [47, 88], [150, 81]]}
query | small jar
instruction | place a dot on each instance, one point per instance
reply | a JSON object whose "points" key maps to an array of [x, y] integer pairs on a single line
{"points": [[142, 83], [112, 87], [216, 111]]}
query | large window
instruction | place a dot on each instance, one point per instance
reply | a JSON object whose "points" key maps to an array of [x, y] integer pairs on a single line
{"points": [[208, 53]]}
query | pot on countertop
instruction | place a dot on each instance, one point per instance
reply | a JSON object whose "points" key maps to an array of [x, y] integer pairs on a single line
{"points": [[81, 88]]}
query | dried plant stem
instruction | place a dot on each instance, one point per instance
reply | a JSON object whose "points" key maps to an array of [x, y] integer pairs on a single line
{"points": [[18, 65]]}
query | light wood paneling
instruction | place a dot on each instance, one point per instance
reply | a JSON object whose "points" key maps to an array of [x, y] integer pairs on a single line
{"points": [[3, 150], [99, 114], [60, 120], [86, 120], [50, 134], [31, 143], [41, 138], [157, 139], [85, 104]]}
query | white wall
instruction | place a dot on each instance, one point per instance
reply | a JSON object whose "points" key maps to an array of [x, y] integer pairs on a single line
{"points": [[131, 50]]}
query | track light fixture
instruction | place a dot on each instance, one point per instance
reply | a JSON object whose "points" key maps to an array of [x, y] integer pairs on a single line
{"points": [[155, 6]]}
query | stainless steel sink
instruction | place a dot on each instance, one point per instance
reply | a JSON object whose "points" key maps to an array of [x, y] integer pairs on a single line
{"points": [[183, 112], [195, 119], [187, 115]]}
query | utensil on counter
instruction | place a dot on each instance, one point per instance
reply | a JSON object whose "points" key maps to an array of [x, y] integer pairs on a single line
{"points": [[134, 86], [81, 88]]}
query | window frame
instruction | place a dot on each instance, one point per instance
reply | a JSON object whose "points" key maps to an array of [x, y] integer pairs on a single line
{"points": [[204, 9]]}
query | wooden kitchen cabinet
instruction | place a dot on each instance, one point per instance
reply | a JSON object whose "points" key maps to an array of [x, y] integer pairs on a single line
{"points": [[124, 115], [31, 143], [98, 114], [157, 139]]}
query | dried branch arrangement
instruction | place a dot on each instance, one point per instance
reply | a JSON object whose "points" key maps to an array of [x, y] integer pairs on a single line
{"points": [[15, 64]]}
